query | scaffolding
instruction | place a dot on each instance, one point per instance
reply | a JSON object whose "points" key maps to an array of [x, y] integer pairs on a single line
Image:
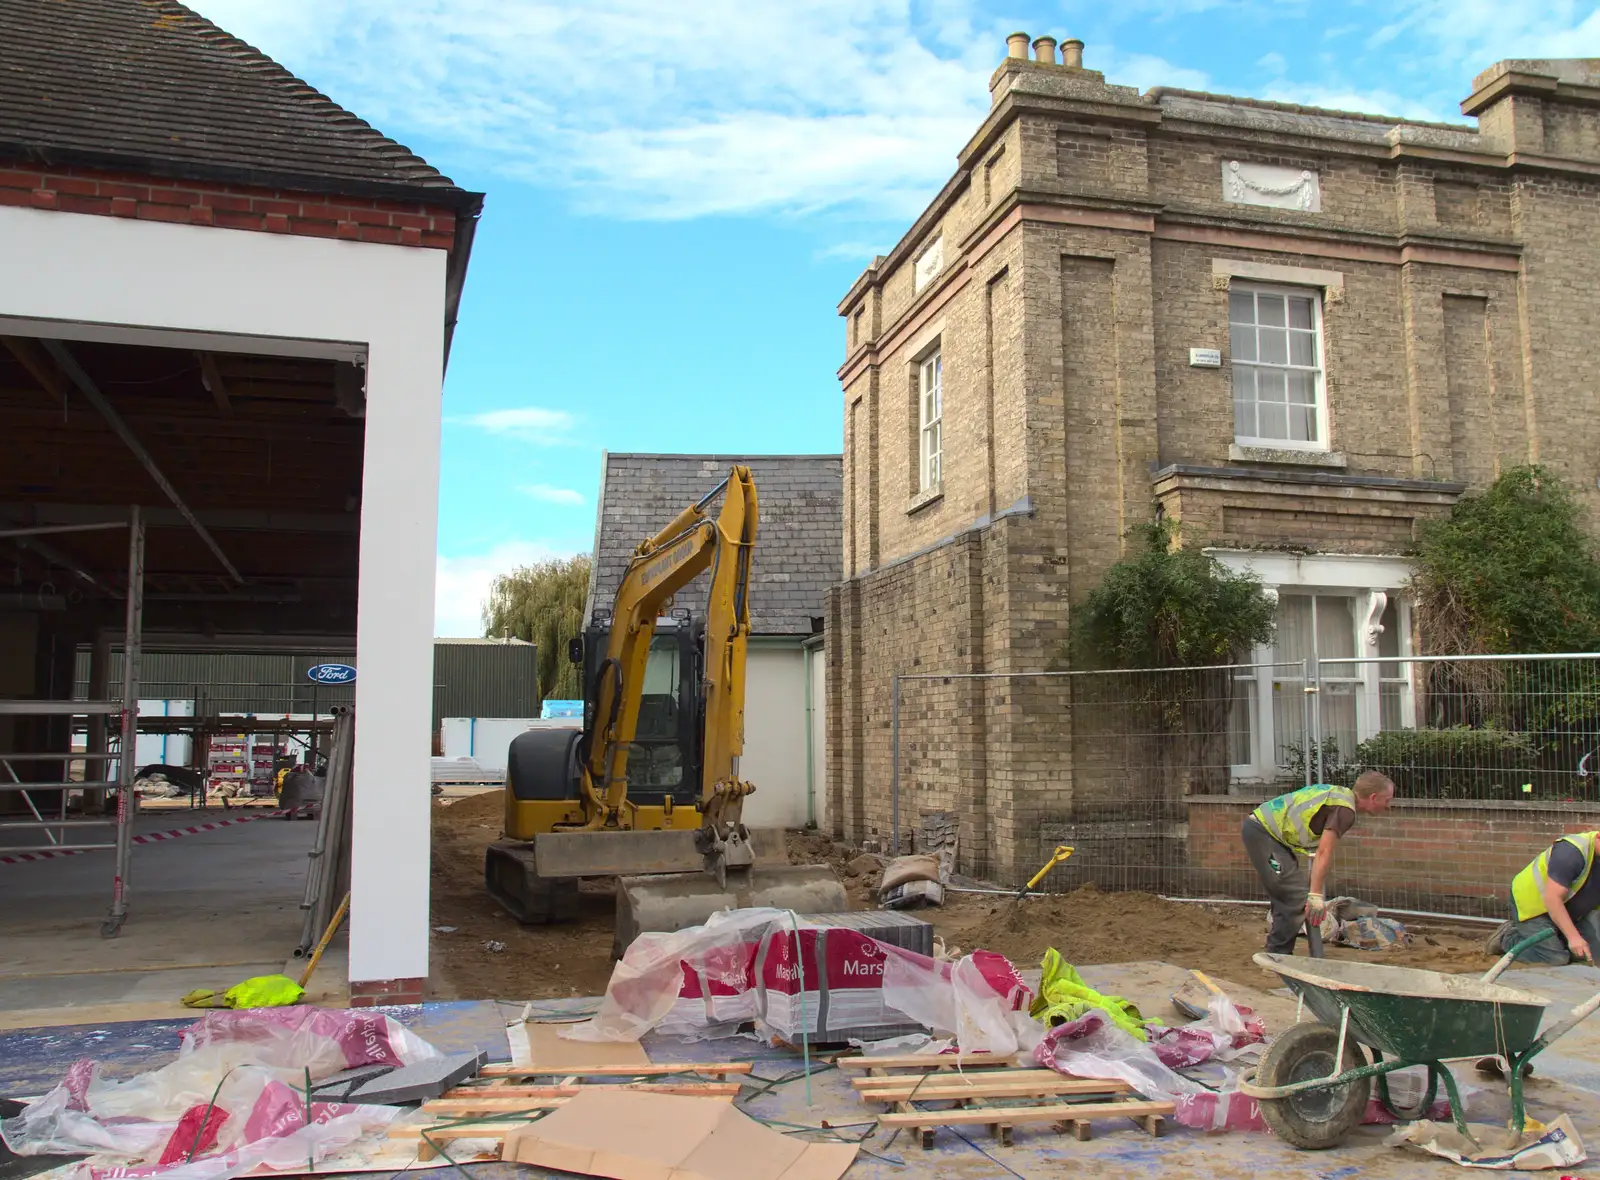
{"points": [[60, 831]]}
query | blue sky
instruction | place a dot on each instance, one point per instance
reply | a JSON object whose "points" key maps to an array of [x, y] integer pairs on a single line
{"points": [[680, 192]]}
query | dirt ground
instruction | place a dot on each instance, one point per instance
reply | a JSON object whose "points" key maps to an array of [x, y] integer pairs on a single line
{"points": [[1086, 926]]}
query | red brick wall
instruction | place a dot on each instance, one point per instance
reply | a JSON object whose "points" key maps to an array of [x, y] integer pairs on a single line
{"points": [[80, 190], [1451, 857], [381, 993]]}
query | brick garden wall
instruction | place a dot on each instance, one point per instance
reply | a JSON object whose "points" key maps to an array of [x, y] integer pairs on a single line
{"points": [[1456, 857]]}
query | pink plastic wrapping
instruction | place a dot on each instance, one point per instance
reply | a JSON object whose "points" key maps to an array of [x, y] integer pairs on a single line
{"points": [[233, 1099], [744, 965]]}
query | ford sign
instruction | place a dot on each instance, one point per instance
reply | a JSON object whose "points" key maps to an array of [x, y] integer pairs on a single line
{"points": [[332, 674]]}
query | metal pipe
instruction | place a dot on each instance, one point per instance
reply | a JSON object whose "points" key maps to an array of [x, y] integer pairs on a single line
{"points": [[1381, 909], [1118, 671], [127, 804], [806, 648], [41, 530], [55, 849], [87, 387], [894, 766]]}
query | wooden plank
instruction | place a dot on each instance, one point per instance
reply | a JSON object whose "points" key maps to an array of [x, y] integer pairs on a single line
{"points": [[1027, 1114], [943, 1090], [614, 1071], [508, 1096], [927, 1061], [893, 1081]]}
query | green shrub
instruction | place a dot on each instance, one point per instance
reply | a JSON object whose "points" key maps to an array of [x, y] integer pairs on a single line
{"points": [[1457, 763], [1509, 570], [1171, 606]]}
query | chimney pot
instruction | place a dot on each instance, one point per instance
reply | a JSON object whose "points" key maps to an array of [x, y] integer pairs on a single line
{"points": [[1044, 49], [1017, 45], [1072, 54]]}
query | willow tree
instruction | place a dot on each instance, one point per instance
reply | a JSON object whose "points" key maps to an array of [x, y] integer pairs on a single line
{"points": [[543, 603]]}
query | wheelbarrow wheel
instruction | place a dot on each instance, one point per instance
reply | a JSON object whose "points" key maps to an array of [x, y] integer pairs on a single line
{"points": [[1312, 1119]]}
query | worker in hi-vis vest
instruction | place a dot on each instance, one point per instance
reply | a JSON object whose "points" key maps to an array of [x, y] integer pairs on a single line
{"points": [[1561, 889], [1284, 832]]}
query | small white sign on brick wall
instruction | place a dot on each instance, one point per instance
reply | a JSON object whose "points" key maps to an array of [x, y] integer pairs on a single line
{"points": [[1271, 185]]}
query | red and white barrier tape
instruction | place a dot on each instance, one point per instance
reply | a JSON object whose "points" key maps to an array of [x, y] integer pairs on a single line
{"points": [[45, 853]]}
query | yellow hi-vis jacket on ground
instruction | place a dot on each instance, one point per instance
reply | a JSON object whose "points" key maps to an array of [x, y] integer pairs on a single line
{"points": [[1527, 887], [1288, 817]]}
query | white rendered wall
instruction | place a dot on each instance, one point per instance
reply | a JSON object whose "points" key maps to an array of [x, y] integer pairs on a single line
{"points": [[819, 734], [483, 739], [775, 736], [201, 287]]}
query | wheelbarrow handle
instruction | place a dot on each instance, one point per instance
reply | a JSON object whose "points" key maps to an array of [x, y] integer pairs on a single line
{"points": [[1563, 1026], [1509, 957]]}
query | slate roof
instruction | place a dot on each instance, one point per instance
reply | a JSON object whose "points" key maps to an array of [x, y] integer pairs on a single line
{"points": [[151, 86], [799, 537]]}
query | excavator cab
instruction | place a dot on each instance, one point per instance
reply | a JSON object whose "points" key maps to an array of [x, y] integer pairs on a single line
{"points": [[664, 758]]}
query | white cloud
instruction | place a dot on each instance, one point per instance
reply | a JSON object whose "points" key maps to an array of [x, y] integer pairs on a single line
{"points": [[550, 494], [862, 252], [1476, 33], [528, 423], [1362, 102], [1273, 61], [1145, 71], [462, 583], [647, 110]]}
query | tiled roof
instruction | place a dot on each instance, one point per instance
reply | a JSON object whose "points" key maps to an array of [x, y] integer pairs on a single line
{"points": [[799, 536], [149, 85]]}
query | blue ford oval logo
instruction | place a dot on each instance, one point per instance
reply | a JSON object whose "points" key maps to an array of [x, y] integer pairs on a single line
{"points": [[332, 674]]}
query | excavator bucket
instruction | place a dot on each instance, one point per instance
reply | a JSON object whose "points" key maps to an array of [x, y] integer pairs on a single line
{"points": [[672, 901]]}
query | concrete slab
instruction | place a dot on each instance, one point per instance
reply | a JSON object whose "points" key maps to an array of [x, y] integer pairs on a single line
{"points": [[419, 1082], [206, 910]]}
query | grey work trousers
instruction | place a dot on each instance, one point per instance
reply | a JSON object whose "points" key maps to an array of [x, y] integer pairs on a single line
{"points": [[1287, 883], [1551, 950]]}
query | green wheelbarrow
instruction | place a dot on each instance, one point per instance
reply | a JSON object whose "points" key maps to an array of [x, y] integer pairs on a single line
{"points": [[1314, 1083]]}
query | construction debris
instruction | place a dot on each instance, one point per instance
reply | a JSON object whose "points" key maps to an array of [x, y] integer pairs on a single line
{"points": [[1541, 1146], [420, 1081]]}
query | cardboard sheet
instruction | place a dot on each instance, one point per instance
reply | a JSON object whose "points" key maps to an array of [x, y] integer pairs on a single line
{"points": [[541, 1046], [669, 1137]]}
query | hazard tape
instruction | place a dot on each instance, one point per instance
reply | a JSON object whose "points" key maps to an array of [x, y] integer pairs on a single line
{"points": [[147, 838]]}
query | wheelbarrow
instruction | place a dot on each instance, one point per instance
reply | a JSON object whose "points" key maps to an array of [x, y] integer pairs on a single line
{"points": [[1314, 1083]]}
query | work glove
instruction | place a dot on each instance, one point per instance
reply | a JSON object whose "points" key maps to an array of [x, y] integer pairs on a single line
{"points": [[1316, 906]]}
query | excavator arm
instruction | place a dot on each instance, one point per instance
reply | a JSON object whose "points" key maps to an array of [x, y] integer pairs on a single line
{"points": [[691, 544]]}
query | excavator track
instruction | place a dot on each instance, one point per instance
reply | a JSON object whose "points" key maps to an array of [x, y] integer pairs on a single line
{"points": [[511, 876]]}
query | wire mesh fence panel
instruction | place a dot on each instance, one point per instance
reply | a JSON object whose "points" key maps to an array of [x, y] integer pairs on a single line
{"points": [[1151, 774]]}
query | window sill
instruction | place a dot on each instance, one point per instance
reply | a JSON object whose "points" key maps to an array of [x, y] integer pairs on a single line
{"points": [[925, 497], [1255, 454]]}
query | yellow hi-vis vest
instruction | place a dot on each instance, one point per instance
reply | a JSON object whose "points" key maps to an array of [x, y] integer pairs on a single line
{"points": [[1527, 887], [1288, 817]]}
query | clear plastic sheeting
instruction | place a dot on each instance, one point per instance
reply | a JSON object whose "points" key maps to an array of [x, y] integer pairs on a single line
{"points": [[233, 1100], [979, 999]]}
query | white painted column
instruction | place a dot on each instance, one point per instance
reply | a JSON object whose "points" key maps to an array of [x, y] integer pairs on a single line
{"points": [[394, 652]]}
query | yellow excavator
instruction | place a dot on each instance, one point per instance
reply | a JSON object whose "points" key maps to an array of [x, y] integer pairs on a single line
{"points": [[649, 790]]}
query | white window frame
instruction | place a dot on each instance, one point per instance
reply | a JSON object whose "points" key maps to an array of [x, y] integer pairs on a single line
{"points": [[930, 420], [1373, 582], [1323, 443]]}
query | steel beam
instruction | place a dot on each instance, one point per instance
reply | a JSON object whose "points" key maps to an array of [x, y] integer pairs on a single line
{"points": [[87, 387]]}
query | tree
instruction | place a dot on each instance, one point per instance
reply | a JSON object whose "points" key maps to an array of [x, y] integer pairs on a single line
{"points": [[543, 603], [1171, 606], [1509, 570]]}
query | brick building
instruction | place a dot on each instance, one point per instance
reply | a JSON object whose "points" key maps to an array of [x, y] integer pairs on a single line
{"points": [[1298, 332]]}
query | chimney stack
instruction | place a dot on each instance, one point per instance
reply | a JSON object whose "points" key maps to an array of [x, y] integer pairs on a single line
{"points": [[1072, 54], [1044, 49], [1017, 45]]}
